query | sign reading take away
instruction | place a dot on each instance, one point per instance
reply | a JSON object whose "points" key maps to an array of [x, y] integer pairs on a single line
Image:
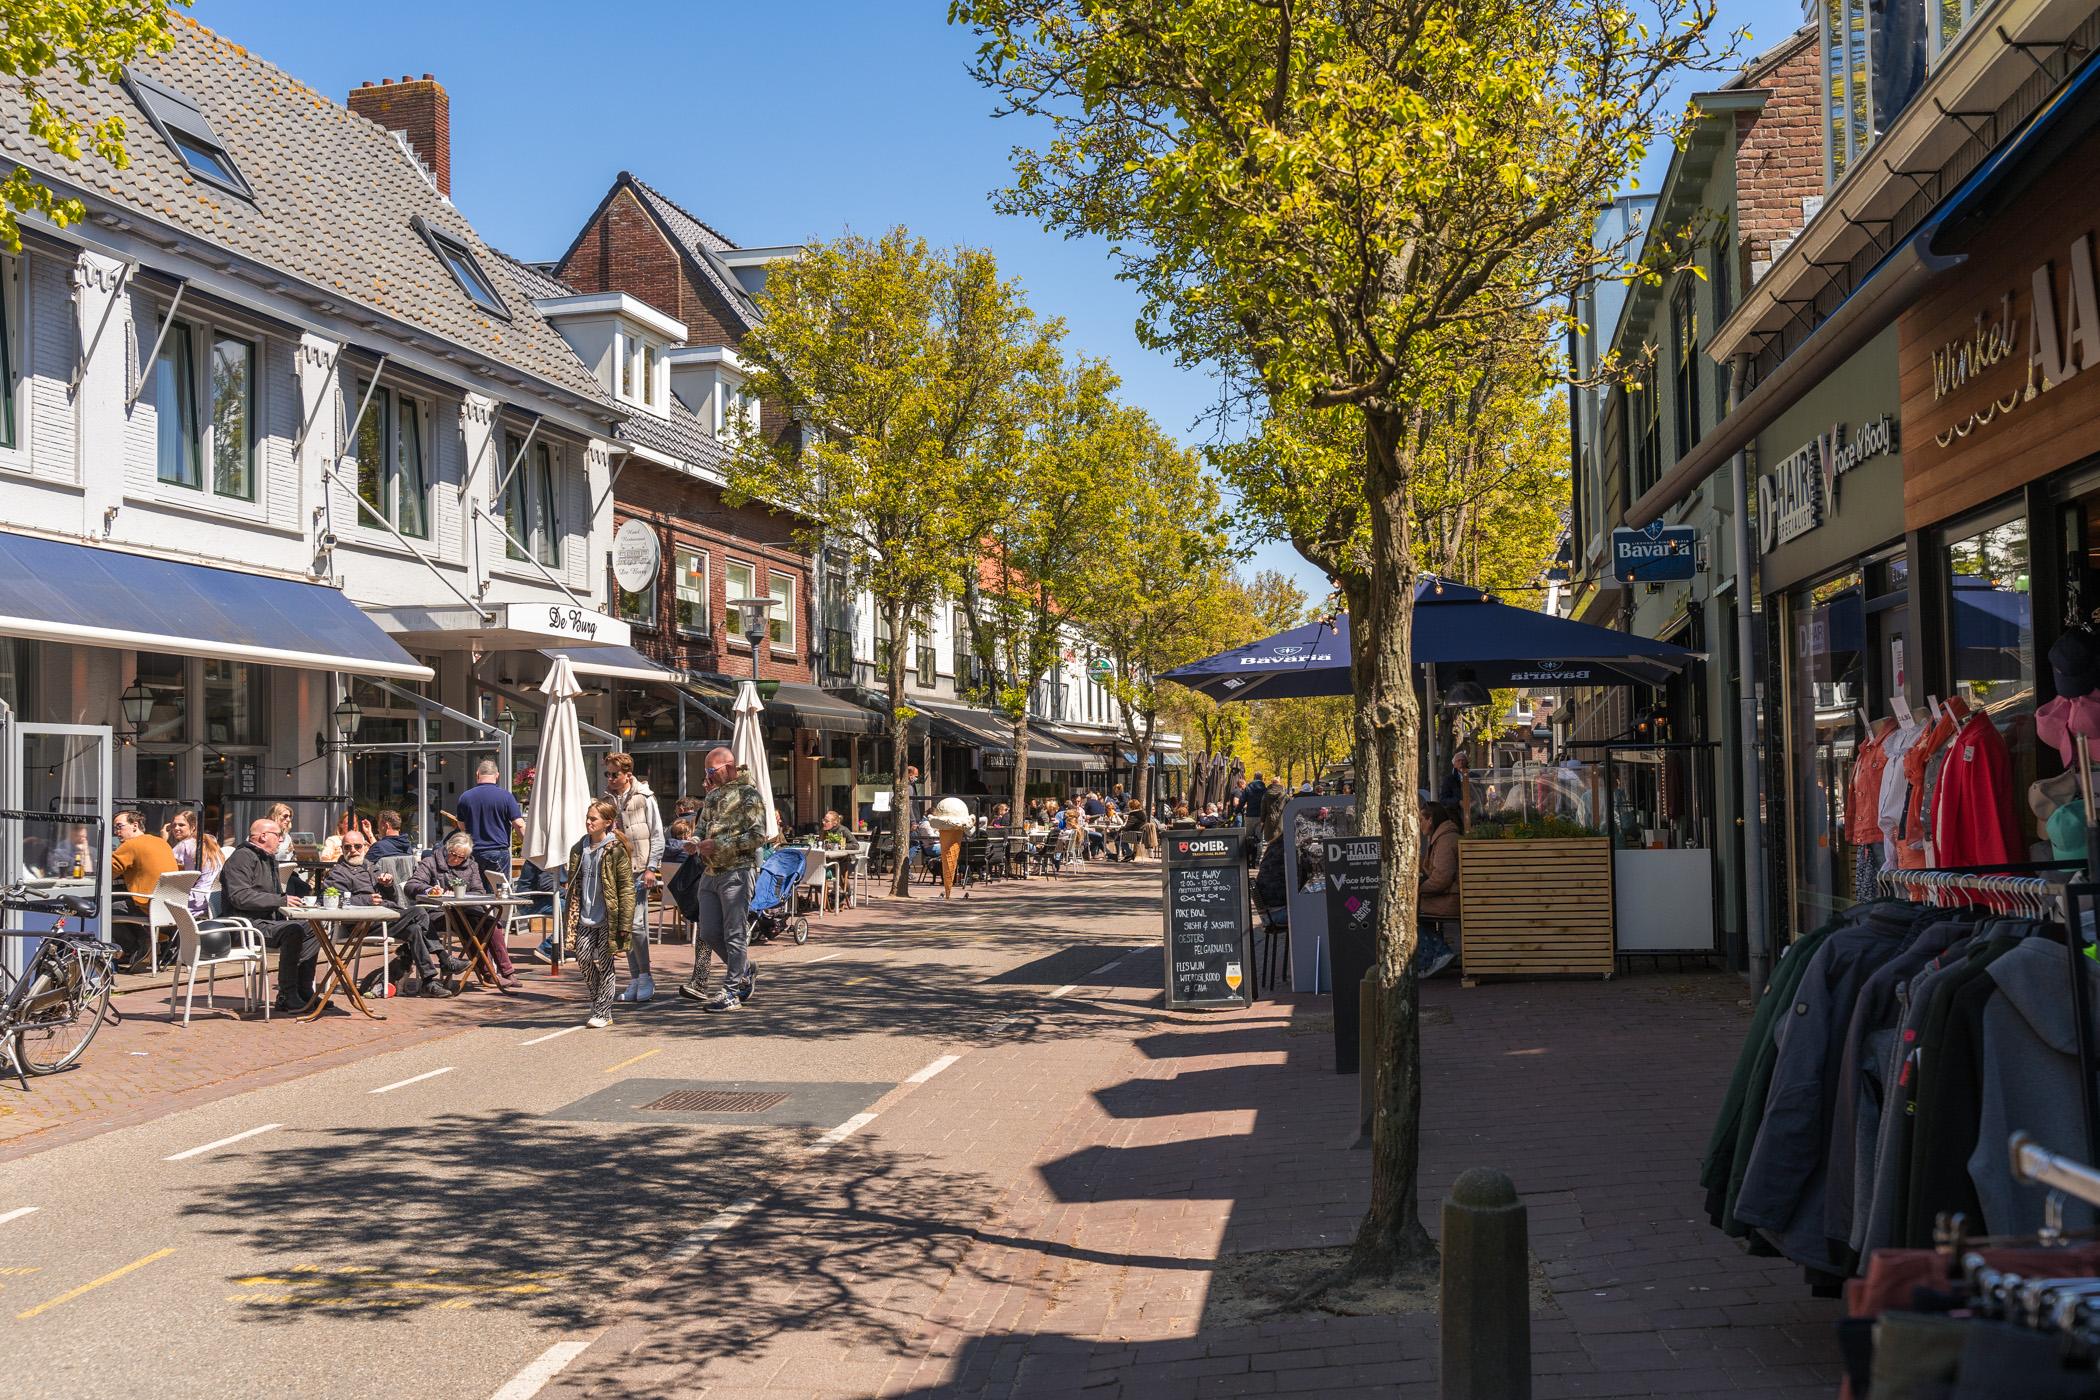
{"points": [[1655, 553]]}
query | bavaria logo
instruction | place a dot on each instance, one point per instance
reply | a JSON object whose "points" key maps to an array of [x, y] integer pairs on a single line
{"points": [[1288, 651], [1546, 665]]}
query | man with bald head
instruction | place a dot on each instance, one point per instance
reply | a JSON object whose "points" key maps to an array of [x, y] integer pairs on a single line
{"points": [[727, 833], [250, 888]]}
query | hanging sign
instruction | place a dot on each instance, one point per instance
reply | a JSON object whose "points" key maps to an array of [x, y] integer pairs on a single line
{"points": [[1656, 553], [635, 556], [1209, 953]]}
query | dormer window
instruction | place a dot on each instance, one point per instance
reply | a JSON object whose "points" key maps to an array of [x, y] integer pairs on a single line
{"points": [[734, 409], [466, 269], [185, 127], [639, 362]]}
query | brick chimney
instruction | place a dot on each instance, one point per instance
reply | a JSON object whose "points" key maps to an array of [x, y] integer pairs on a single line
{"points": [[420, 111]]}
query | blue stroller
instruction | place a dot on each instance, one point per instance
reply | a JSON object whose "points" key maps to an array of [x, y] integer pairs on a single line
{"points": [[773, 898]]}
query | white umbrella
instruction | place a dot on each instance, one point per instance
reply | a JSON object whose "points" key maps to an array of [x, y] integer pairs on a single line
{"points": [[749, 746], [562, 788]]}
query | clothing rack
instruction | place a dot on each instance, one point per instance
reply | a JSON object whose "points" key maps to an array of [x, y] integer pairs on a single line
{"points": [[2035, 1165]]}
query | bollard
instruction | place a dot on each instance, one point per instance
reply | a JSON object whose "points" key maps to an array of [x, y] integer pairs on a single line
{"points": [[1485, 1307]]}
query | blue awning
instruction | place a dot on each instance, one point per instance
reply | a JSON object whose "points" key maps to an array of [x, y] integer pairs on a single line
{"points": [[85, 595]]}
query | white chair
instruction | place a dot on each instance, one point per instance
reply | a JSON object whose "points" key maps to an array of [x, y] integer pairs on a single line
{"points": [[172, 888], [213, 944], [813, 883]]}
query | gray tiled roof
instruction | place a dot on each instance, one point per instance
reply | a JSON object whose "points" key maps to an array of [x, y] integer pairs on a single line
{"points": [[700, 243], [334, 194], [537, 279], [681, 436]]}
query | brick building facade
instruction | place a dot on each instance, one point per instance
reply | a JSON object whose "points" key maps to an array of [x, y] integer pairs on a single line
{"points": [[1779, 153]]}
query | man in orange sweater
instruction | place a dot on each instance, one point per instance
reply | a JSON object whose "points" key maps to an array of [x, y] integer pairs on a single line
{"points": [[139, 861]]}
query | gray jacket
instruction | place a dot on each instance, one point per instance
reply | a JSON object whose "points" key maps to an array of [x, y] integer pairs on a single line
{"points": [[2030, 1080]]}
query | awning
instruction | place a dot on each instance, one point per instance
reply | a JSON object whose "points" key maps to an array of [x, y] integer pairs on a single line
{"points": [[85, 595], [618, 663], [807, 707], [977, 729], [1049, 752]]}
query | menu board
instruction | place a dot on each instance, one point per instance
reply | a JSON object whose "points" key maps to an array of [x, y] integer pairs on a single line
{"points": [[1352, 866], [1208, 960]]}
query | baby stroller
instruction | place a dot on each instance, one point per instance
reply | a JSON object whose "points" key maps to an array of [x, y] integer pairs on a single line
{"points": [[773, 898]]}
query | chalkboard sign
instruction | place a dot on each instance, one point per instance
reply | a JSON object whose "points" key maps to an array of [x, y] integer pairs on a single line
{"points": [[1352, 927], [1208, 960]]}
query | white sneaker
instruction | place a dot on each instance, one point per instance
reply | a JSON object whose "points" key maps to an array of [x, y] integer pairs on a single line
{"points": [[625, 993], [599, 1023], [643, 987]]}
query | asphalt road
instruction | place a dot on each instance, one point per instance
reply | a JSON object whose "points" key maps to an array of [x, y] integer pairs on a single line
{"points": [[460, 1217]]}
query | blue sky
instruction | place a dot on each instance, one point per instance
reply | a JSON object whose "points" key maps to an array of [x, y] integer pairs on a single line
{"points": [[775, 123]]}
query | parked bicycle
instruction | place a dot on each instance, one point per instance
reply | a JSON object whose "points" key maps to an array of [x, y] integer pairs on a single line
{"points": [[50, 1013]]}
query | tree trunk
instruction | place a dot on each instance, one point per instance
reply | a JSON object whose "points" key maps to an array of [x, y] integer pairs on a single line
{"points": [[1381, 605], [900, 748], [1020, 799], [1144, 787]]}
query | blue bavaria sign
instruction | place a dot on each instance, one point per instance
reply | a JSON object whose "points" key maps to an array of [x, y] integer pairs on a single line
{"points": [[1656, 553]]}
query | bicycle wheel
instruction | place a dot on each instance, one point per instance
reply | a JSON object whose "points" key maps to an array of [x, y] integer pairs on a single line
{"points": [[68, 999]]}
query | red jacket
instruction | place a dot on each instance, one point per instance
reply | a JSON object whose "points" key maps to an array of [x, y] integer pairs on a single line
{"points": [[1972, 818]]}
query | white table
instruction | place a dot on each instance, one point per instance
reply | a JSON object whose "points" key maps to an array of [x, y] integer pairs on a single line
{"points": [[327, 925]]}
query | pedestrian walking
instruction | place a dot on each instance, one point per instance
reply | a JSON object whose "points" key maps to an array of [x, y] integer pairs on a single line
{"points": [[642, 823], [601, 904], [730, 829]]}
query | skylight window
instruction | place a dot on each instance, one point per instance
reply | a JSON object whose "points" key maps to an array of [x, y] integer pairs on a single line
{"points": [[185, 127], [466, 269]]}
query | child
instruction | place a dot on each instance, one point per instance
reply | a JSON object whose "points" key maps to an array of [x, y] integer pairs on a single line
{"points": [[601, 904]]}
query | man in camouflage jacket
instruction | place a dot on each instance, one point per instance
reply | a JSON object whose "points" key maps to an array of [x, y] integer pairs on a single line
{"points": [[727, 833]]}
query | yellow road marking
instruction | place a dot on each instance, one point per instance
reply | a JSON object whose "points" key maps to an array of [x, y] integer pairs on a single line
{"points": [[637, 1059], [110, 1277]]}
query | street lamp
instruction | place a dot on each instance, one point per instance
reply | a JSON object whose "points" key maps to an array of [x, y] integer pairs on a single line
{"points": [[627, 731], [136, 703], [753, 619], [348, 716]]}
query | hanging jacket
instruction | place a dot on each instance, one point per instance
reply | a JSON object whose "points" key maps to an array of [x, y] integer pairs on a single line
{"points": [[1863, 792], [1910, 836], [2030, 1079], [1973, 809], [1895, 787]]}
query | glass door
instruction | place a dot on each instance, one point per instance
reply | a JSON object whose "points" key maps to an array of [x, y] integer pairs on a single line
{"points": [[55, 800]]}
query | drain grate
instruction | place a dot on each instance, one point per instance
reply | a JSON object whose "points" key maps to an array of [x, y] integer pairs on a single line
{"points": [[714, 1101]]}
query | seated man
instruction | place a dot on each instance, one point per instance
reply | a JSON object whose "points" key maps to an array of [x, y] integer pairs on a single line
{"points": [[137, 864], [249, 888], [362, 882], [451, 868], [1132, 833], [390, 841]]}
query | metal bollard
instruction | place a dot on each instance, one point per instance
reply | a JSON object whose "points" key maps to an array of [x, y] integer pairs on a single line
{"points": [[1485, 1308]]}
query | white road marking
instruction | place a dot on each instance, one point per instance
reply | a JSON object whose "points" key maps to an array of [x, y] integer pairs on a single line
{"points": [[842, 1131], [1066, 990], [417, 1079], [713, 1229], [826, 958], [931, 1070], [222, 1142], [533, 1379], [17, 1213], [552, 1035], [1115, 963]]}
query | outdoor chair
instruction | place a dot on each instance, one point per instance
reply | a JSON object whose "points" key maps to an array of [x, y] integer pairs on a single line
{"points": [[1275, 927], [883, 856], [813, 880], [214, 944], [976, 860], [172, 888]]}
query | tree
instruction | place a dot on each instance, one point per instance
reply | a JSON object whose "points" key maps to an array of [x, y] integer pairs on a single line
{"points": [[84, 40], [1152, 590], [903, 367], [1309, 734], [1336, 202], [1066, 467]]}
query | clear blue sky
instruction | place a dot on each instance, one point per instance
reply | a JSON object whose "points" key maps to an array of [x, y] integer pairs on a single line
{"points": [[775, 123]]}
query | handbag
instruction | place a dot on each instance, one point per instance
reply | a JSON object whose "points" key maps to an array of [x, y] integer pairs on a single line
{"points": [[685, 887]]}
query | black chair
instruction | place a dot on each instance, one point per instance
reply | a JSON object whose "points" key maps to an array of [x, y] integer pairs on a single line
{"points": [[1275, 930], [976, 860], [882, 860]]}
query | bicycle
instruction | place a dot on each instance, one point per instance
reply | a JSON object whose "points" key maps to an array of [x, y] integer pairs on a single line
{"points": [[51, 1012]]}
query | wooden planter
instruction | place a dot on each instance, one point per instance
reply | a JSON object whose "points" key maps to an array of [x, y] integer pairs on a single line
{"points": [[1535, 908]]}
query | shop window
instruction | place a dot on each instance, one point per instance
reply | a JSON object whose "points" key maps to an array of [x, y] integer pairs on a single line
{"points": [[1990, 621], [232, 702], [693, 615], [166, 679], [1826, 687]]}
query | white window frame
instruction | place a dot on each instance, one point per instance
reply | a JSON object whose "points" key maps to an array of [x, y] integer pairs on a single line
{"points": [[14, 310], [204, 333], [681, 554], [386, 402], [539, 482], [783, 632], [638, 371], [730, 593]]}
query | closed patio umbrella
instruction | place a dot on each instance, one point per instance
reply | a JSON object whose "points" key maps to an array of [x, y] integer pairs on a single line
{"points": [[748, 743], [561, 790]]}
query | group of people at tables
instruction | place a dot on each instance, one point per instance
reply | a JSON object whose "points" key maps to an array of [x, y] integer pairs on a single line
{"points": [[258, 880]]}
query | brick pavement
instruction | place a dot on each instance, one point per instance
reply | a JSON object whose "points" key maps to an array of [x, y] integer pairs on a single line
{"points": [[1042, 1219]]}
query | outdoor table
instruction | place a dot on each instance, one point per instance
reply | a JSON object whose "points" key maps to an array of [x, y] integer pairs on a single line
{"points": [[459, 912], [328, 926], [854, 860]]}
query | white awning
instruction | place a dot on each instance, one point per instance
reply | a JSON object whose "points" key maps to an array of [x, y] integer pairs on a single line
{"points": [[618, 663]]}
